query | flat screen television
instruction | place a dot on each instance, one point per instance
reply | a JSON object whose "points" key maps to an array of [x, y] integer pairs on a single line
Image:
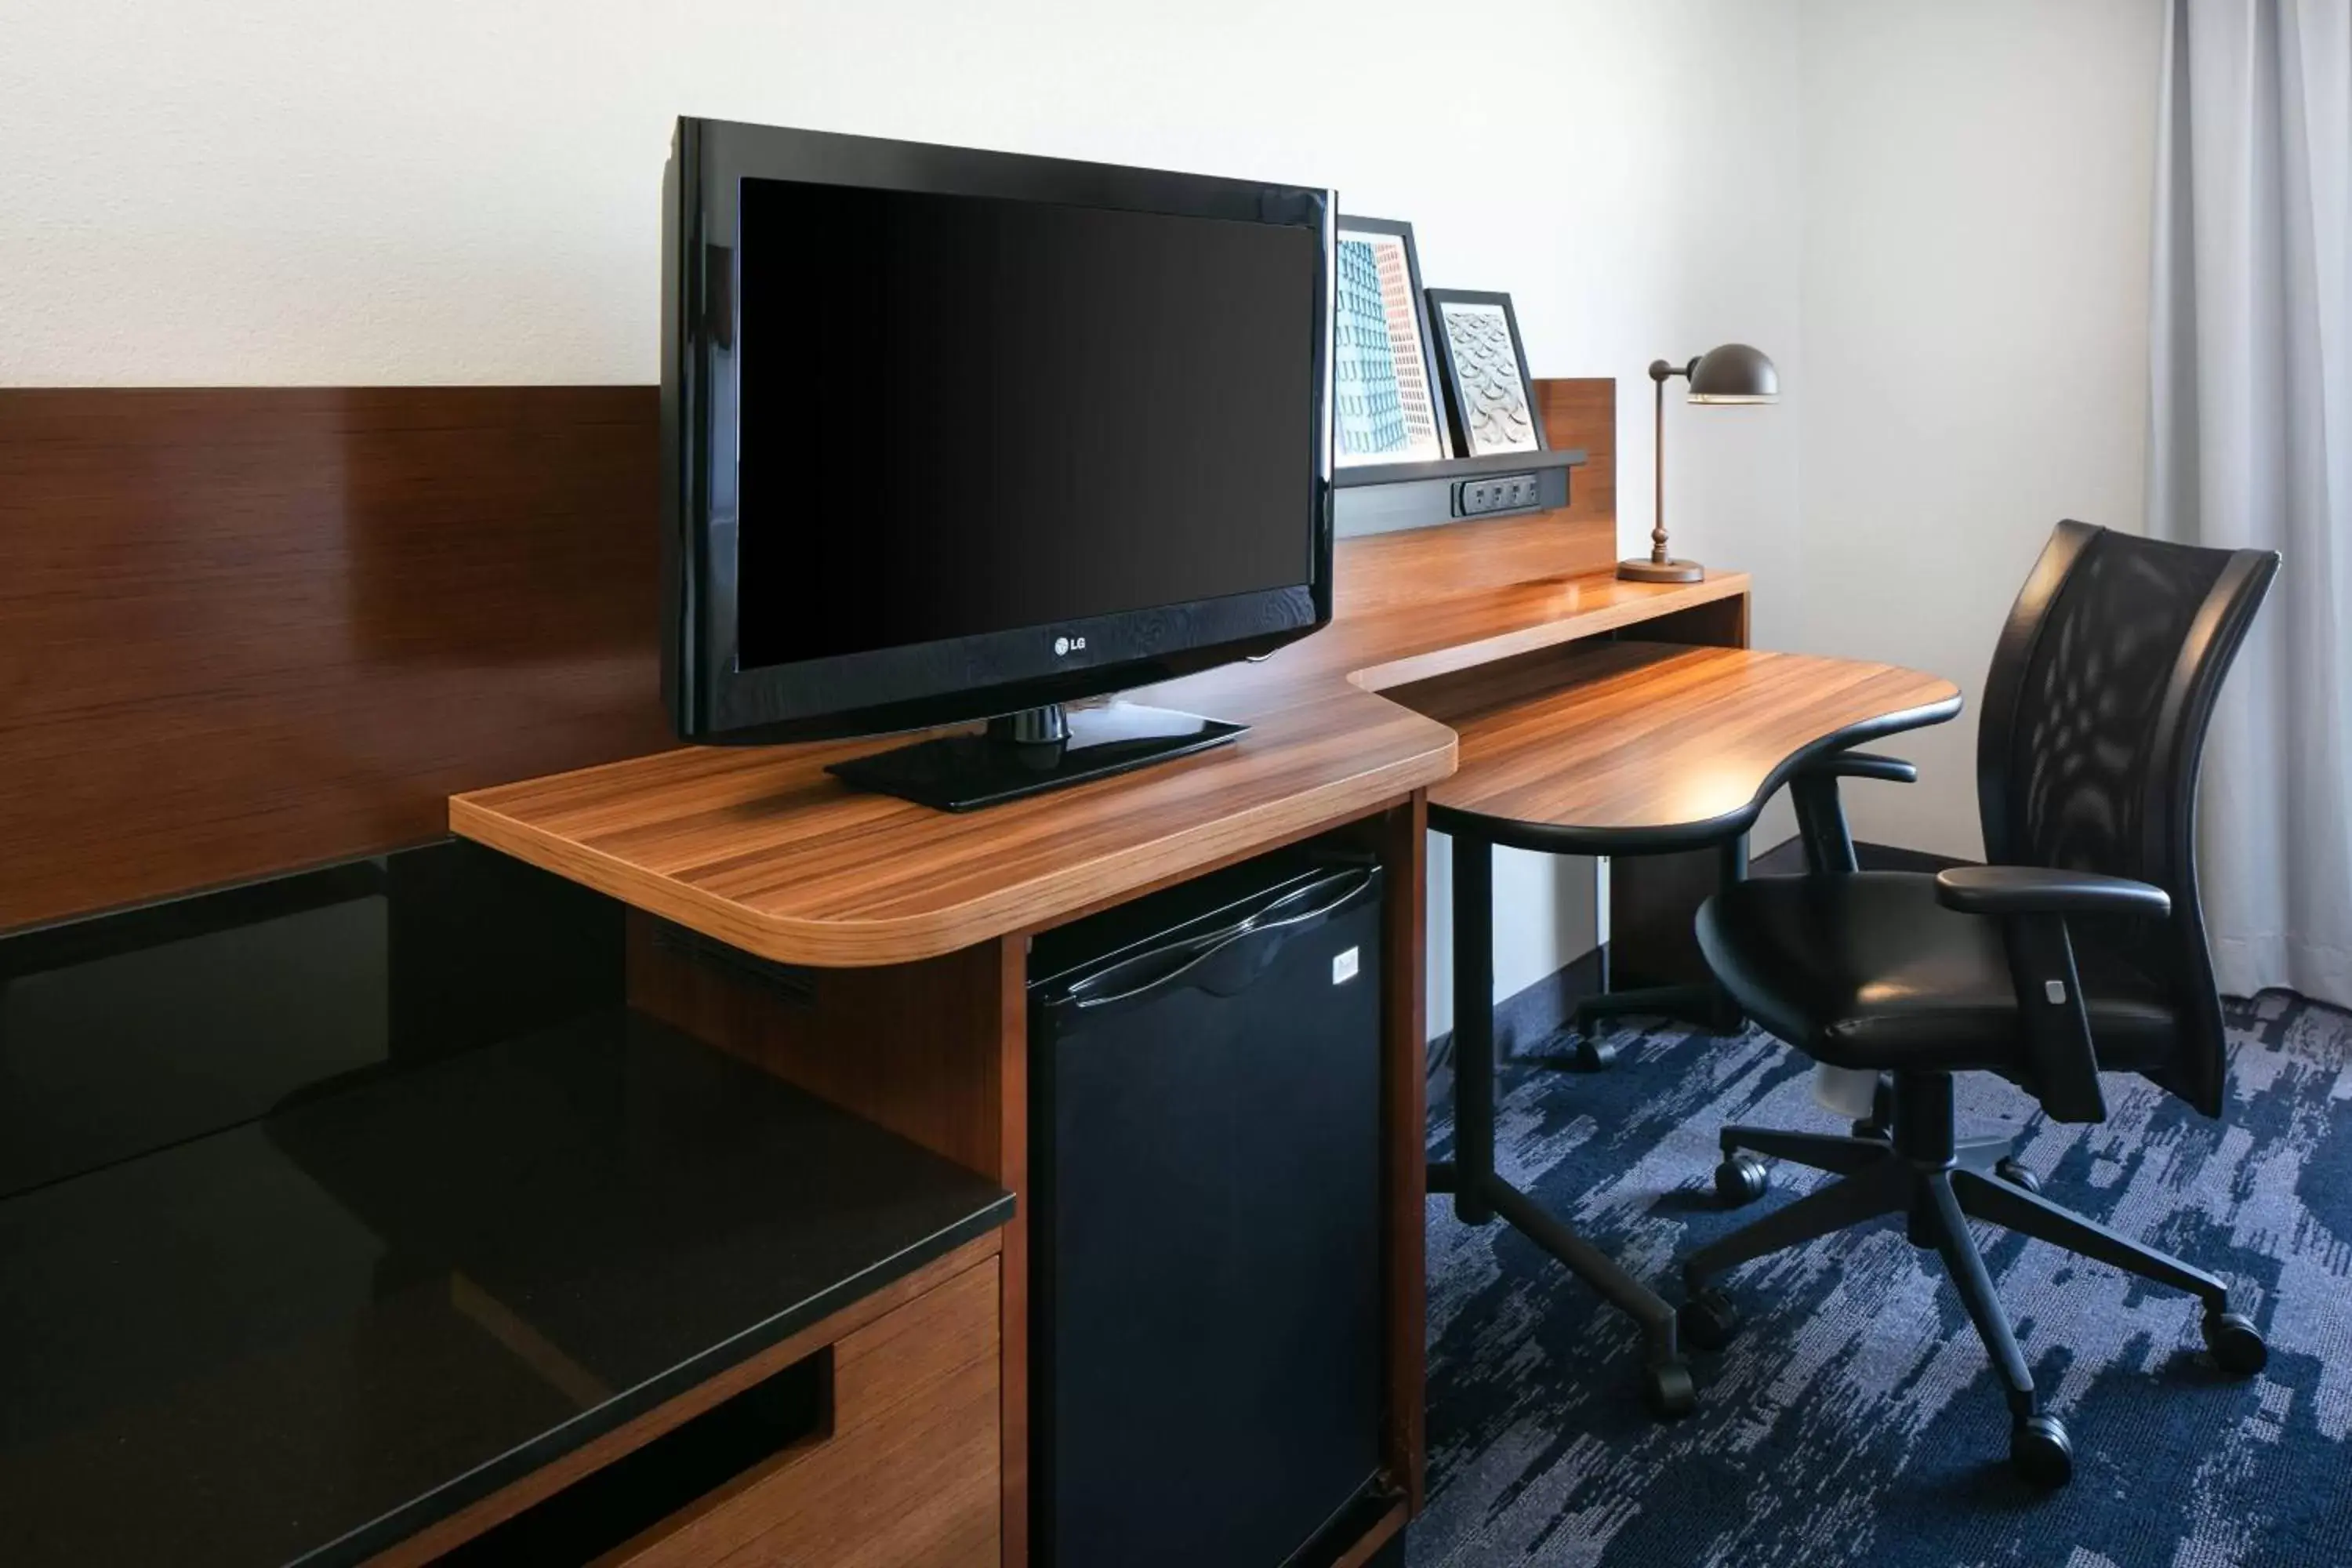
{"points": [[952, 434]]}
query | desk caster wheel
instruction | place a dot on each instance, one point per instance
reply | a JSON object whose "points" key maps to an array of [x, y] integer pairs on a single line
{"points": [[1594, 1054], [2236, 1345], [2016, 1175], [1668, 1391], [1708, 1320], [1741, 1179], [2040, 1453]]}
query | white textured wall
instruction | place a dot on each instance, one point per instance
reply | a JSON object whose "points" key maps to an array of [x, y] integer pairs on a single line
{"points": [[1978, 189], [320, 191]]}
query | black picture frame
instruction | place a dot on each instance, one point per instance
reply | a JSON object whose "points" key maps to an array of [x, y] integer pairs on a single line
{"points": [[1344, 226], [1463, 418]]}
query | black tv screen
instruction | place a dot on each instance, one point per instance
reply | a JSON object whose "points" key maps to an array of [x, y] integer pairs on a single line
{"points": [[950, 434], [1007, 413]]}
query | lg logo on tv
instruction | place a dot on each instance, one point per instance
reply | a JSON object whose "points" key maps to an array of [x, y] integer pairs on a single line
{"points": [[1066, 646]]}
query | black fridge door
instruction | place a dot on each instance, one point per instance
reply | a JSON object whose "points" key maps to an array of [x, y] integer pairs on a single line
{"points": [[1205, 1175]]}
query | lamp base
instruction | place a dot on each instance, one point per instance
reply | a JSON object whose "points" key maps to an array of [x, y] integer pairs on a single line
{"points": [[1642, 569]]}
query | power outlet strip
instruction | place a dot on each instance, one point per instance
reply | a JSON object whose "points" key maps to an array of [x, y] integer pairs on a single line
{"points": [[1503, 492]]}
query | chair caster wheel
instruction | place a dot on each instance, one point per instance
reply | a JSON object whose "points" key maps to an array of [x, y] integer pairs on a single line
{"points": [[1708, 1320], [2016, 1176], [2040, 1453], [2236, 1345], [1594, 1056], [1668, 1391], [1741, 1179], [1872, 1128]]}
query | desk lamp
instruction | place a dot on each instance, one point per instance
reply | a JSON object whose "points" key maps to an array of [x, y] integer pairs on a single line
{"points": [[1732, 373]]}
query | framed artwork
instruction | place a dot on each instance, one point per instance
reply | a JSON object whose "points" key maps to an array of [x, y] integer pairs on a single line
{"points": [[1385, 394], [1489, 395]]}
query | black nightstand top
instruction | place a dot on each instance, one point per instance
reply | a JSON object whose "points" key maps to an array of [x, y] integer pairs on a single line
{"points": [[304, 1337]]}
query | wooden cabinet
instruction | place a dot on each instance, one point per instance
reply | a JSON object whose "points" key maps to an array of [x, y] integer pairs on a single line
{"points": [[872, 1439], [906, 1477]]}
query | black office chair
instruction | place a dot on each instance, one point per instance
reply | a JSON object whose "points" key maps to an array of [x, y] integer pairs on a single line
{"points": [[2079, 947]]}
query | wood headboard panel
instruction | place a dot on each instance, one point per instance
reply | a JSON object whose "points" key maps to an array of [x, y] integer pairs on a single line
{"points": [[246, 630]]}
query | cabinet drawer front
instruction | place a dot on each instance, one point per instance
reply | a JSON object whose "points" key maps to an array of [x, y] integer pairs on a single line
{"points": [[908, 1477]]}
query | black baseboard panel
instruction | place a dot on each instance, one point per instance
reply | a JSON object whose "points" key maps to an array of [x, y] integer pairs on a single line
{"points": [[1527, 1017]]}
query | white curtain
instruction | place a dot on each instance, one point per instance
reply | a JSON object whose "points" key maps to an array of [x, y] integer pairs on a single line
{"points": [[2252, 444]]}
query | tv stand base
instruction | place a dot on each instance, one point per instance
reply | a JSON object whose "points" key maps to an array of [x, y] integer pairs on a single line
{"points": [[1036, 750]]}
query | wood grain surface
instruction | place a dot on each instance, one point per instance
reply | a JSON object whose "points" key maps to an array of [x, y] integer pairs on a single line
{"points": [[1635, 738], [763, 849], [436, 1539], [1467, 630], [247, 630], [1385, 572], [936, 1051], [1580, 412], [1392, 570], [908, 1478]]}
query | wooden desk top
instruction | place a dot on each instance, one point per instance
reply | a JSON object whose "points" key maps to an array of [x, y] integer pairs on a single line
{"points": [[1630, 747], [763, 849]]}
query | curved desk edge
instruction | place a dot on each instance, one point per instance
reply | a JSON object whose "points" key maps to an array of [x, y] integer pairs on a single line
{"points": [[762, 852], [1534, 775], [1552, 840]]}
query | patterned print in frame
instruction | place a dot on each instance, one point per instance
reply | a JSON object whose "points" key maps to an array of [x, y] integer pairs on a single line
{"points": [[1489, 394], [1384, 380], [1364, 374]]}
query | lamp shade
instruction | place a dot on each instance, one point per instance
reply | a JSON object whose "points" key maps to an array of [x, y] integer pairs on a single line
{"points": [[1734, 374]]}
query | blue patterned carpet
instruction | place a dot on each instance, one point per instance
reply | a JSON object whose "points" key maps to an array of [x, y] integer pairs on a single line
{"points": [[1853, 1420]]}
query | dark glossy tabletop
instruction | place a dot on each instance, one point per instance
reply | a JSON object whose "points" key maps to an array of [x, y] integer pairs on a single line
{"points": [[303, 1336]]}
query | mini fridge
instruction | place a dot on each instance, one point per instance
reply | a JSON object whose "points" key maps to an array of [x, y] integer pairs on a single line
{"points": [[1205, 1303]]}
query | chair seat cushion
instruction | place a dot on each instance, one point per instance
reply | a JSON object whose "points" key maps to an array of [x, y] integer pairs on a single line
{"points": [[1867, 970]]}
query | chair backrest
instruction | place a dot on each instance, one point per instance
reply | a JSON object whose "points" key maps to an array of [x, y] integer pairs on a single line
{"points": [[2088, 745]]}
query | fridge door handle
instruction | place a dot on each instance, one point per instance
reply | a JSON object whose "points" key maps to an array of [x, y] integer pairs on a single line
{"points": [[1151, 972]]}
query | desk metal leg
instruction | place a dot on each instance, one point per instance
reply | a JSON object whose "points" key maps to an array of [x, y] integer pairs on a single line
{"points": [[1707, 1005], [1473, 1030], [1700, 1004], [1479, 1193]]}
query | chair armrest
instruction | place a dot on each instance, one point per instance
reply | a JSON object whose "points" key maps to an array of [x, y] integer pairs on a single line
{"points": [[1820, 815], [2031, 902], [2039, 890], [1860, 765]]}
